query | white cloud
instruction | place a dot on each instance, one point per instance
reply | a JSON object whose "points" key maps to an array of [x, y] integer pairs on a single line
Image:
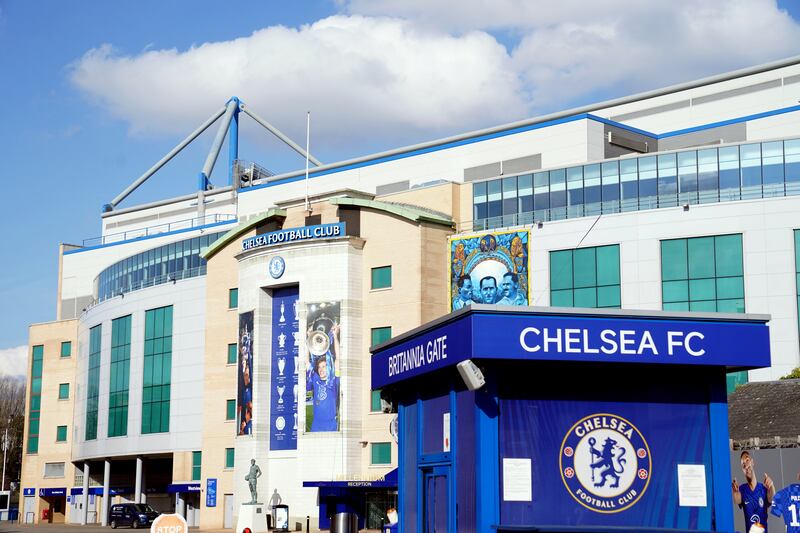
{"points": [[14, 361], [361, 77], [396, 71]]}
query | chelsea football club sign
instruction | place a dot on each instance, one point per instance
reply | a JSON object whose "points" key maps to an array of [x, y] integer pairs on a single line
{"points": [[605, 463], [286, 236]]}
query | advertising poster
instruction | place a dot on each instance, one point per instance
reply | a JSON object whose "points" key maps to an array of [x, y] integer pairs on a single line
{"points": [[489, 268], [244, 407], [284, 392], [323, 336]]}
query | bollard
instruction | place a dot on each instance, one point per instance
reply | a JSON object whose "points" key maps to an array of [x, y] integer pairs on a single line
{"points": [[308, 523]]}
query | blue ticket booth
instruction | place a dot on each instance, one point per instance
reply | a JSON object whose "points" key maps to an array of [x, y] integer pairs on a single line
{"points": [[585, 420]]}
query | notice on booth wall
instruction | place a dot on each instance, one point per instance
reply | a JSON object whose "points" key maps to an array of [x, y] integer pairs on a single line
{"points": [[517, 480], [446, 432], [692, 486]]}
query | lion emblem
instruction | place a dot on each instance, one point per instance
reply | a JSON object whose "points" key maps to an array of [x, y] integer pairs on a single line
{"points": [[609, 457]]}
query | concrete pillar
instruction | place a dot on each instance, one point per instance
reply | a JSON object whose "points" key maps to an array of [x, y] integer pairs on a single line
{"points": [[137, 491], [106, 493], [85, 510]]}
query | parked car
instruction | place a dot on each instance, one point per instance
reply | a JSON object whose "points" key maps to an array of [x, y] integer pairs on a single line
{"points": [[131, 514]]}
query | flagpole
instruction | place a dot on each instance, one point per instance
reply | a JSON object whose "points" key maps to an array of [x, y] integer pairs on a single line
{"points": [[308, 142]]}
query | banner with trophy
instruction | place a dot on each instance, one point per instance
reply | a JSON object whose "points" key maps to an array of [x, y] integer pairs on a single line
{"points": [[244, 406], [490, 268], [323, 335], [284, 391]]}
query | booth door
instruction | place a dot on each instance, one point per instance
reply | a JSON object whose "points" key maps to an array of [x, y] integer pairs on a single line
{"points": [[435, 498]]}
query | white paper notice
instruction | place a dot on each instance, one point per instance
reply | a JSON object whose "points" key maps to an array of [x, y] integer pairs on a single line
{"points": [[692, 486], [517, 482], [446, 432]]}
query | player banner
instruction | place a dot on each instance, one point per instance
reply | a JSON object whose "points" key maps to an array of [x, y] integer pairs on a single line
{"points": [[244, 407], [285, 365], [323, 336], [489, 268]]}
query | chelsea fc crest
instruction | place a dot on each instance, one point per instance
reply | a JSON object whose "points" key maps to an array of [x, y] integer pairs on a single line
{"points": [[276, 266], [605, 463]]}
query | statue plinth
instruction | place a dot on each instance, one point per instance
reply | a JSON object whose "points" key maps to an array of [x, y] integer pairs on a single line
{"points": [[254, 516]]}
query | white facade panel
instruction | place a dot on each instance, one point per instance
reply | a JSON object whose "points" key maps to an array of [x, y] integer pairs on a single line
{"points": [[560, 145], [767, 228], [187, 297], [325, 455]]}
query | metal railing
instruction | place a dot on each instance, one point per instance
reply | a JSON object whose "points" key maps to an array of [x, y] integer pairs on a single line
{"points": [[189, 223], [160, 279], [246, 172]]}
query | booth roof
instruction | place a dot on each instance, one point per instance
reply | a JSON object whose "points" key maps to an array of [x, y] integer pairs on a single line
{"points": [[765, 410], [605, 336]]}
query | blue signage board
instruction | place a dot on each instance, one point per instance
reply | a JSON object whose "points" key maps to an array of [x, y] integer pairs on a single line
{"points": [[211, 492], [590, 338], [29, 491], [99, 490], [607, 462], [284, 393], [286, 236], [183, 487], [61, 491]]}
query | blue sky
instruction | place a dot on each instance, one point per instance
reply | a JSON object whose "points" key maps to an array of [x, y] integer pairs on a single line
{"points": [[94, 92]]}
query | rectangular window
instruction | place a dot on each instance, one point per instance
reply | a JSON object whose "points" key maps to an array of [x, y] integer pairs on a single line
{"points": [[375, 404], [586, 277], [93, 383], [66, 349], [228, 457], [704, 274], [197, 459], [380, 335], [63, 391], [232, 354], [119, 376], [157, 370], [381, 277], [37, 362], [381, 453], [230, 409], [233, 298], [54, 470], [61, 433]]}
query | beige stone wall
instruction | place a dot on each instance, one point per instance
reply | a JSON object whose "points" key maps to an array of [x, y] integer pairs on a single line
{"points": [[439, 197], [220, 379], [418, 256], [54, 412]]}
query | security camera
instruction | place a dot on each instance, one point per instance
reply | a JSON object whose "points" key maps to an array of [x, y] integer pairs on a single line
{"points": [[471, 374]]}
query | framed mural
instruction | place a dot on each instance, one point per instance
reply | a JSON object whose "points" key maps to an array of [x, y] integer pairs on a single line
{"points": [[490, 267]]}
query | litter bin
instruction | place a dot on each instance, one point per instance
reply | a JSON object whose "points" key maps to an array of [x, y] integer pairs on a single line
{"points": [[344, 523]]}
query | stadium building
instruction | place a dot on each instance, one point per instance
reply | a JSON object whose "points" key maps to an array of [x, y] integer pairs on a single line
{"points": [[199, 333]]}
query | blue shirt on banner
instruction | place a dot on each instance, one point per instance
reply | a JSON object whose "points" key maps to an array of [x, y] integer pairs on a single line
{"points": [[326, 394], [787, 506], [754, 505]]}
